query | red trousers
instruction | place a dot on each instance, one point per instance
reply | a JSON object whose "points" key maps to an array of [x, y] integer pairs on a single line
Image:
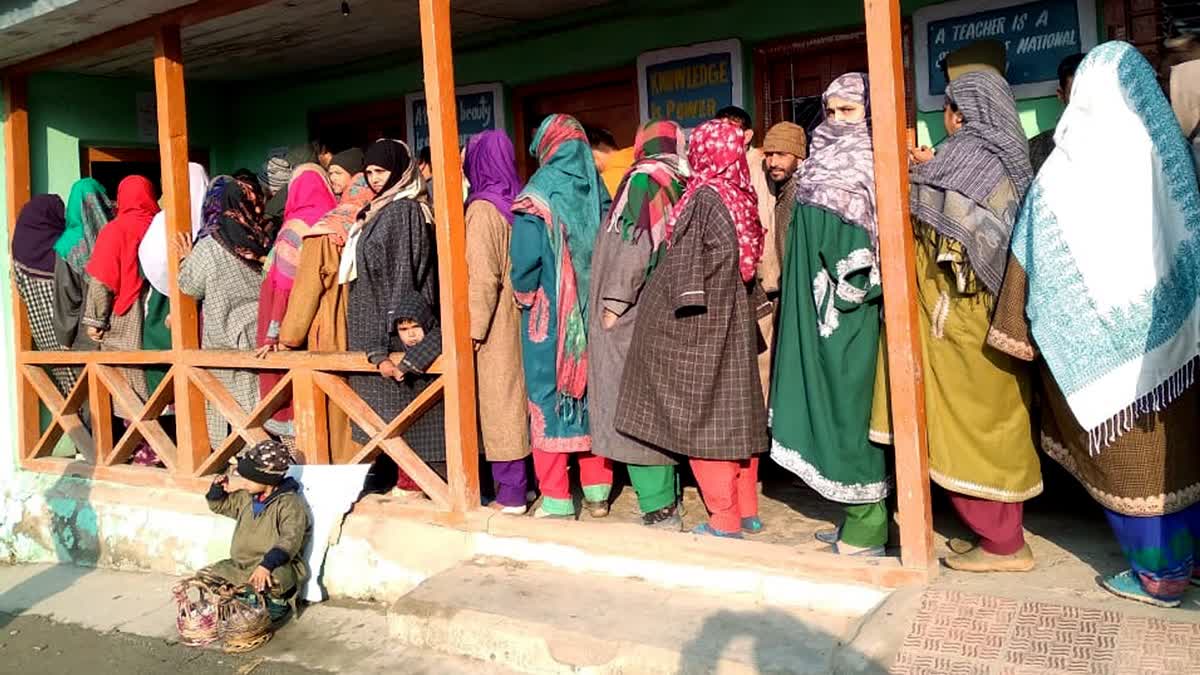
{"points": [[729, 489], [998, 524], [553, 479]]}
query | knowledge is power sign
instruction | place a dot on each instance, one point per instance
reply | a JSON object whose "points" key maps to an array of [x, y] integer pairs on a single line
{"points": [[688, 85]]}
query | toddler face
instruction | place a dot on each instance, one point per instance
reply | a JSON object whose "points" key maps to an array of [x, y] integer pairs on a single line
{"points": [[410, 332]]}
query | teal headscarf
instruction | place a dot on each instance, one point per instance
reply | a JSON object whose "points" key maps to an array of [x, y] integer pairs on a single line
{"points": [[88, 210], [568, 194]]}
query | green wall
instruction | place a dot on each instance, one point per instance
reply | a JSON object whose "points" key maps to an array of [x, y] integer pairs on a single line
{"points": [[68, 110]]}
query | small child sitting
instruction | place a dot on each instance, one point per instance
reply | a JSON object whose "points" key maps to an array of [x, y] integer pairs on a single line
{"points": [[272, 525]]}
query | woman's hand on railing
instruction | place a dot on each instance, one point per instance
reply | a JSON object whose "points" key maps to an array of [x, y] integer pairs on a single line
{"points": [[96, 334], [183, 245], [271, 347]]}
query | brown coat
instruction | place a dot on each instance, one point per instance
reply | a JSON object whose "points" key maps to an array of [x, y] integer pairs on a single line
{"points": [[495, 326], [316, 319], [691, 382]]}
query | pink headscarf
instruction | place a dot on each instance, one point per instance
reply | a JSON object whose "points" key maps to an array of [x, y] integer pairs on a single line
{"points": [[309, 199]]}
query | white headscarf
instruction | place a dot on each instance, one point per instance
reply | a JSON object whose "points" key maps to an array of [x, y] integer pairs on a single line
{"points": [[153, 251]]}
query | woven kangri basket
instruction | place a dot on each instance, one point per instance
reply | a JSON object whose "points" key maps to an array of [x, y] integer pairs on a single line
{"points": [[211, 609]]}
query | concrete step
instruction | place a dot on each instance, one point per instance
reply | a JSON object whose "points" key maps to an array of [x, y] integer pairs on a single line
{"points": [[536, 618]]}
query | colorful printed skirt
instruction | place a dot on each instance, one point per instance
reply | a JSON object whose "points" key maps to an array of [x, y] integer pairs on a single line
{"points": [[1162, 550]]}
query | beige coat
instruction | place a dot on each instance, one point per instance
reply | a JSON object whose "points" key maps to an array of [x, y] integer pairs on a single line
{"points": [[768, 265], [495, 327]]}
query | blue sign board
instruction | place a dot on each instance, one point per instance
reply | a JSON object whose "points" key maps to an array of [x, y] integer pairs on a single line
{"points": [[689, 85], [480, 108], [1037, 35]]}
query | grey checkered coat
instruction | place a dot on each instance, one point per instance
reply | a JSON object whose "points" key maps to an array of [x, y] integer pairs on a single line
{"points": [[691, 382]]}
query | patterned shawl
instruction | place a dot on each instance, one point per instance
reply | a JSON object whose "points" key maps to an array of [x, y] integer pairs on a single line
{"points": [[309, 198], [567, 194], [717, 158], [41, 222], [88, 210], [153, 251], [490, 168], [988, 149], [337, 222], [658, 154], [242, 226], [213, 205], [114, 262], [404, 183], [1109, 239], [839, 174]]}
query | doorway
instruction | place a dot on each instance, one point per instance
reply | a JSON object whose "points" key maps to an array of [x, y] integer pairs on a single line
{"points": [[110, 165], [357, 126], [606, 100]]}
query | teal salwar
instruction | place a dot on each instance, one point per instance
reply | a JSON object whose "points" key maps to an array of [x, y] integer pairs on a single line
{"points": [[866, 525], [655, 486]]}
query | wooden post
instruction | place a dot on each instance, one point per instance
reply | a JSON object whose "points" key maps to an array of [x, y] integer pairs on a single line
{"points": [[905, 379], [17, 193], [171, 99], [462, 433], [310, 408]]}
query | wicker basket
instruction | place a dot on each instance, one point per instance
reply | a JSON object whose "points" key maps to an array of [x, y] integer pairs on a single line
{"points": [[211, 609], [244, 619], [197, 618]]}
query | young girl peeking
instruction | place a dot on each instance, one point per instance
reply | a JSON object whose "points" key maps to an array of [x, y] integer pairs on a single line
{"points": [[271, 525], [415, 343]]}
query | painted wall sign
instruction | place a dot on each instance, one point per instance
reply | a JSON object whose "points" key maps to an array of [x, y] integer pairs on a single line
{"points": [[480, 108], [689, 85], [1037, 34]]}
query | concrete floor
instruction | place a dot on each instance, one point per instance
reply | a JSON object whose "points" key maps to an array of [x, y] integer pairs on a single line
{"points": [[1065, 527]]}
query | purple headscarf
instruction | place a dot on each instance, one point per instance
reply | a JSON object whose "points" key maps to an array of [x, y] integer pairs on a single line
{"points": [[491, 168], [40, 224], [839, 174]]}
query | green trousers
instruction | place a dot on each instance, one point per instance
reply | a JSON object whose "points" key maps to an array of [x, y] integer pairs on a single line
{"points": [[655, 486], [866, 525]]}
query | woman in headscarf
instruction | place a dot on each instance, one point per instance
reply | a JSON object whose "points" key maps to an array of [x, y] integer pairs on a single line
{"points": [[344, 166], [316, 313], [88, 210], [630, 245], [391, 251], [309, 198], [40, 224], [557, 218], [964, 203], [691, 383], [1104, 291], [114, 307], [152, 254], [490, 166], [829, 325], [224, 272]]}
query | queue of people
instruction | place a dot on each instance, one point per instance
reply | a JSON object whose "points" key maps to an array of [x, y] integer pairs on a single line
{"points": [[691, 300]]}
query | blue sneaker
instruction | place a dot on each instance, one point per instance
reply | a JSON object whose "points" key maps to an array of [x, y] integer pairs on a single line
{"points": [[706, 529], [829, 536], [752, 525], [1126, 585]]}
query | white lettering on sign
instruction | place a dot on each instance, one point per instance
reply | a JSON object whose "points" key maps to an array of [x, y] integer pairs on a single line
{"points": [[1043, 19], [1037, 43], [977, 30]]}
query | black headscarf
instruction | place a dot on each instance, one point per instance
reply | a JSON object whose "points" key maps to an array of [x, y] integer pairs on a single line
{"points": [[243, 229], [40, 224], [412, 306], [390, 155]]}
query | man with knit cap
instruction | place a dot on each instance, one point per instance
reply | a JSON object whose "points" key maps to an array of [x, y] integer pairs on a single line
{"points": [[783, 149]]}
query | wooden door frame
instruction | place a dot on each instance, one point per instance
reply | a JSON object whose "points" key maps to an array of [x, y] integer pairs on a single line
{"points": [[148, 154], [809, 43], [555, 84]]}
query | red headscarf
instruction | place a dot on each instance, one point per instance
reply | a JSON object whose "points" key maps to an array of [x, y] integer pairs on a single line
{"points": [[114, 261], [717, 157]]}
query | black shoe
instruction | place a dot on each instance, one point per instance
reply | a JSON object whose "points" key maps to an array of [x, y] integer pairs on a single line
{"points": [[666, 518]]}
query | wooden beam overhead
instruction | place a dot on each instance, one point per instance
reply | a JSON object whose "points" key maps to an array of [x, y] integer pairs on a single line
{"points": [[148, 28]]}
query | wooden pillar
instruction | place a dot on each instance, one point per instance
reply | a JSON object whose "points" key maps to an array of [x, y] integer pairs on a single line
{"points": [[905, 380], [462, 434], [171, 99], [17, 193], [310, 408]]}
